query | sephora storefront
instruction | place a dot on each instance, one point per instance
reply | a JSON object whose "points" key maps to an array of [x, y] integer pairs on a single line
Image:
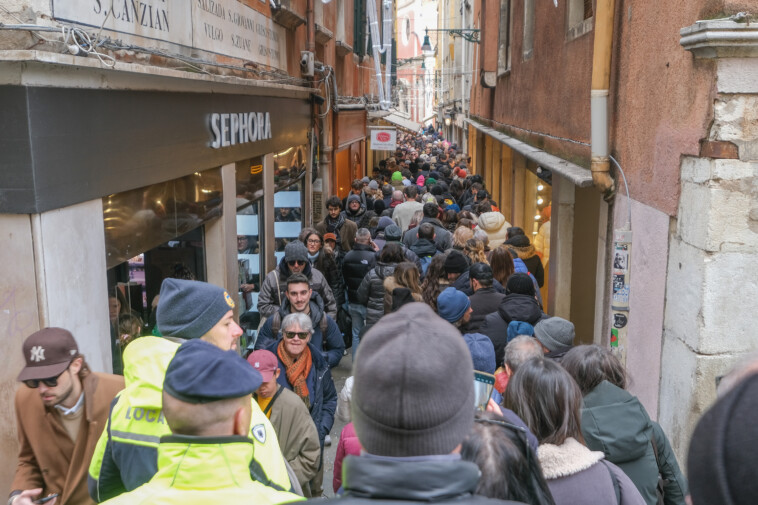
{"points": [[106, 192]]}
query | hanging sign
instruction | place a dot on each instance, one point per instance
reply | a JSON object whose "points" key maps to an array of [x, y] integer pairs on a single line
{"points": [[383, 139]]}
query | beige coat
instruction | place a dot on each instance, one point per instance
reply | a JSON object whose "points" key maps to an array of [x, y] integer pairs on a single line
{"points": [[47, 456], [298, 437]]}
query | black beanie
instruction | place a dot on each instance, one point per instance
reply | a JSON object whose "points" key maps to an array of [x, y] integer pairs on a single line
{"points": [[518, 241], [521, 284], [455, 263], [722, 460]]}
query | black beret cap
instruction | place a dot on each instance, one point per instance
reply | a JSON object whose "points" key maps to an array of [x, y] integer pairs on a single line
{"points": [[202, 373]]}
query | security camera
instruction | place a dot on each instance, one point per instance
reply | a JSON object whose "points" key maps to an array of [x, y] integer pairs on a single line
{"points": [[307, 63]]}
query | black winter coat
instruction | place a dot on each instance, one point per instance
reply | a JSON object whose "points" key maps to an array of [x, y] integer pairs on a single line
{"points": [[326, 263], [371, 291], [370, 480], [355, 266], [483, 303], [514, 307]]}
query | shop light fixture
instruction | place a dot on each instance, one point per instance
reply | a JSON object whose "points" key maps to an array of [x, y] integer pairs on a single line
{"points": [[540, 187], [537, 217], [540, 201]]}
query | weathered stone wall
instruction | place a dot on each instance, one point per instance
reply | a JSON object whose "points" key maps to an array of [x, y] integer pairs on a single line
{"points": [[710, 318]]}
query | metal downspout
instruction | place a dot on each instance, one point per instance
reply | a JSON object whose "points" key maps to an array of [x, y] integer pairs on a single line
{"points": [[601, 79]]}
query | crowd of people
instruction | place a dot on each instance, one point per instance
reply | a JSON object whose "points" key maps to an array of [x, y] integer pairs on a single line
{"points": [[419, 275]]}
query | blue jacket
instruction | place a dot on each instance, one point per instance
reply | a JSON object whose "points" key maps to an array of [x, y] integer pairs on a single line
{"points": [[321, 389]]}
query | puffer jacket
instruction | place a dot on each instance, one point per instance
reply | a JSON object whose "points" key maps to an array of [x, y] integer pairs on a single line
{"points": [[390, 284], [371, 291], [274, 287], [355, 266], [616, 423], [326, 263], [326, 334], [496, 227], [514, 307], [321, 390]]}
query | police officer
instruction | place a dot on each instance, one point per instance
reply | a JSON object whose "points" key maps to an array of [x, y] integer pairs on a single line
{"points": [[207, 404], [125, 456]]}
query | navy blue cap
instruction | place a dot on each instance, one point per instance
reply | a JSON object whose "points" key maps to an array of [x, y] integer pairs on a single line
{"points": [[202, 373]]}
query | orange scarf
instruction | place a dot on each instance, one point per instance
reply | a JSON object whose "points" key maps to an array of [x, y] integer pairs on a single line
{"points": [[297, 371]]}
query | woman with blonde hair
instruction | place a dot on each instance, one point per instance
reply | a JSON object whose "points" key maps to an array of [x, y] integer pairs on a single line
{"points": [[474, 251]]}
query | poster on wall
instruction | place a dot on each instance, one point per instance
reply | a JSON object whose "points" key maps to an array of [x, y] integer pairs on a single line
{"points": [[383, 139]]}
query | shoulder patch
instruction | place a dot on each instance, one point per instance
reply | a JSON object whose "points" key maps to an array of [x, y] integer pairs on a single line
{"points": [[259, 432]]}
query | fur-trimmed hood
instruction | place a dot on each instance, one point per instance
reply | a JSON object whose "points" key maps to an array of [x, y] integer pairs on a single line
{"points": [[566, 459], [524, 252]]}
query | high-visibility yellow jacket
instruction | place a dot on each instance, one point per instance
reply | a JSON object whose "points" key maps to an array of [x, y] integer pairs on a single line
{"points": [[202, 470], [126, 453]]}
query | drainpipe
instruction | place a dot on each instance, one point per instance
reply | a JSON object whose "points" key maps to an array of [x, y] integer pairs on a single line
{"points": [[601, 80], [310, 27]]}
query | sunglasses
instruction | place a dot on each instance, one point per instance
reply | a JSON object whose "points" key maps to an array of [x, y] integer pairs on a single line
{"points": [[296, 262], [302, 335], [50, 382]]}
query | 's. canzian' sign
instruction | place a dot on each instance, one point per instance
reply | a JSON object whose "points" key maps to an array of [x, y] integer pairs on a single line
{"points": [[383, 139], [219, 26]]}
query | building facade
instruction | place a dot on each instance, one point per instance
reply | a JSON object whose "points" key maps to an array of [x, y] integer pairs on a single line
{"points": [[636, 272], [185, 139]]}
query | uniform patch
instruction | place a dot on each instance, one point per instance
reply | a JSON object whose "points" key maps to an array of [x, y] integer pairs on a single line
{"points": [[259, 432], [228, 299]]}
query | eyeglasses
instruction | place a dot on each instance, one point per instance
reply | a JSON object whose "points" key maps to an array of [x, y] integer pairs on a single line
{"points": [[296, 262], [302, 335], [50, 382], [314, 241]]}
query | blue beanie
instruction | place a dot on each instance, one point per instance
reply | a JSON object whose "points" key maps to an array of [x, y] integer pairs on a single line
{"points": [[516, 328], [202, 373], [482, 352], [189, 309], [452, 304]]}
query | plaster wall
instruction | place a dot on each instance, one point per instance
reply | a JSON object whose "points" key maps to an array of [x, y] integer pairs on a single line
{"points": [[649, 260], [19, 317]]}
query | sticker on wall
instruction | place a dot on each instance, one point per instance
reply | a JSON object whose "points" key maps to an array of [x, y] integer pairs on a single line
{"points": [[619, 320], [614, 337]]}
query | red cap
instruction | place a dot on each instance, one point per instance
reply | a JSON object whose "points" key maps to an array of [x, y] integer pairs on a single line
{"points": [[330, 236], [48, 353], [265, 362]]}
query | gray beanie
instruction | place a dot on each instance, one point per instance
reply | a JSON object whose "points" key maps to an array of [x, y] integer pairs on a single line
{"points": [[555, 333], [413, 393], [373, 185], [295, 250], [393, 233], [189, 309]]}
